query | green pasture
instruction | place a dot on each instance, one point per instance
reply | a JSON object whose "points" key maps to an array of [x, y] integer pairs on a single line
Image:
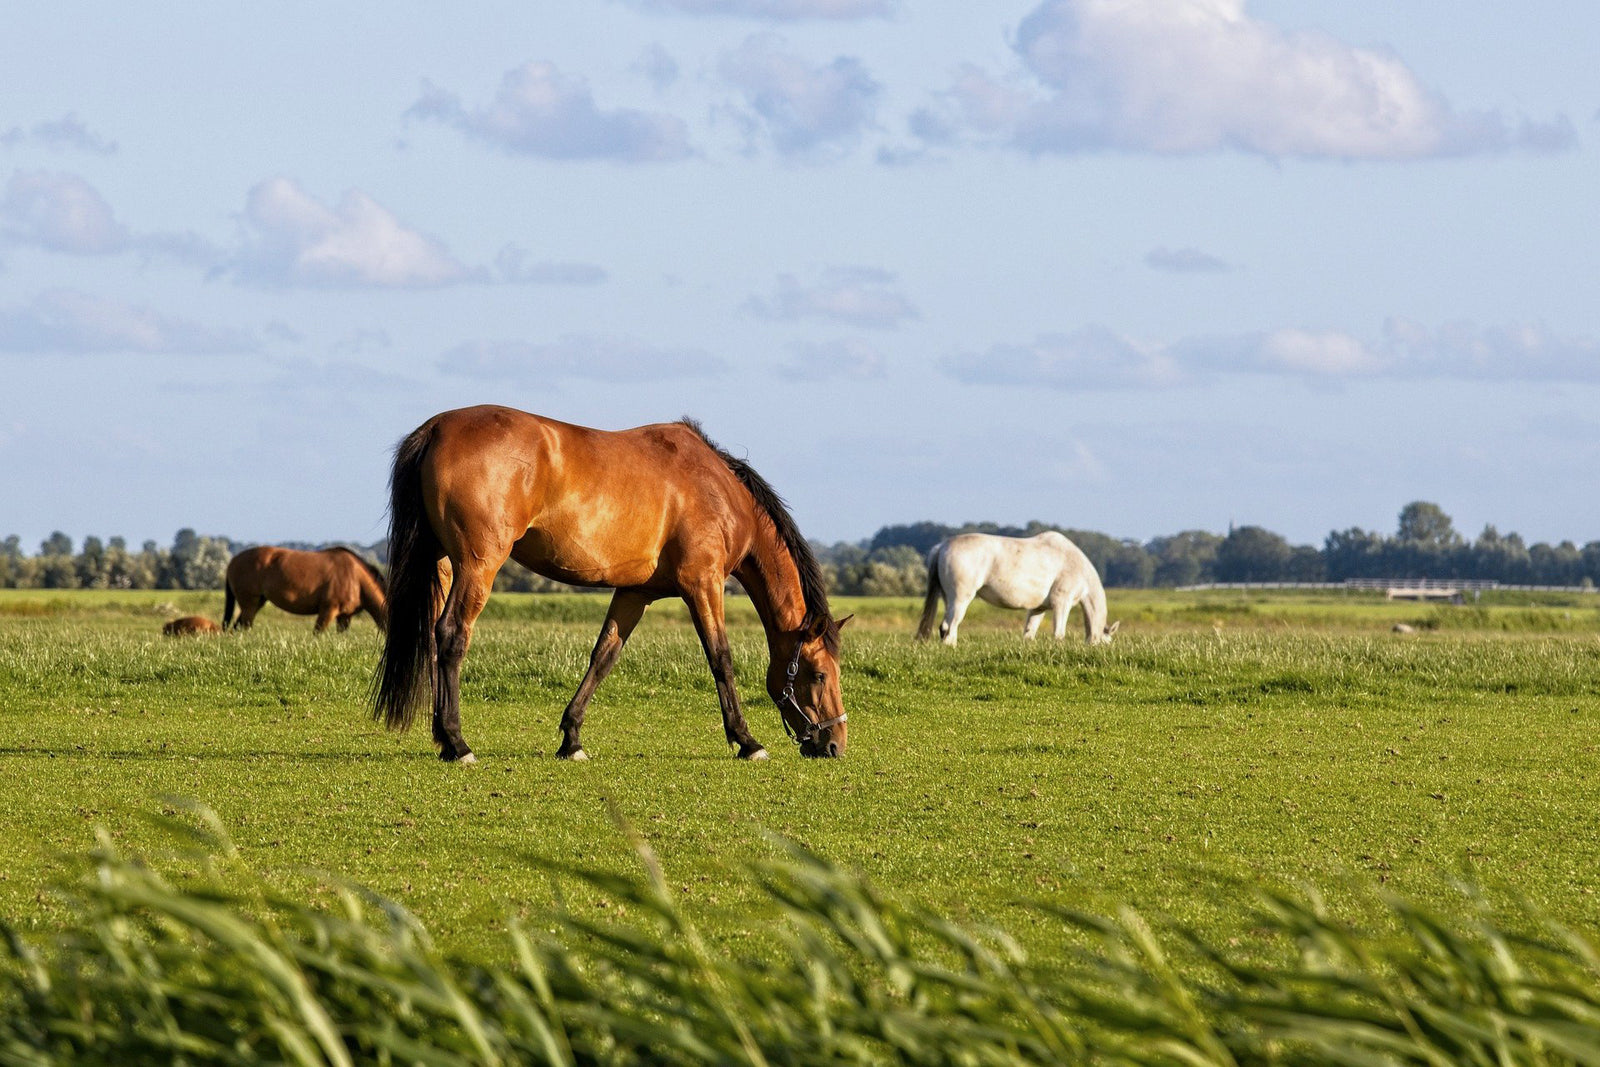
{"points": [[1224, 741]]}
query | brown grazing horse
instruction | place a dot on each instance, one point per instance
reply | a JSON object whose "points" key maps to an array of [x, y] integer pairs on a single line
{"points": [[333, 584], [190, 625], [653, 512]]}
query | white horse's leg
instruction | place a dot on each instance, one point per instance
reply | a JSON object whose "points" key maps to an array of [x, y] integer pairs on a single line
{"points": [[1030, 628], [955, 610], [1058, 616]]}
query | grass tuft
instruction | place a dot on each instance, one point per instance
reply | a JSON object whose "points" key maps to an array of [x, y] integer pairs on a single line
{"points": [[222, 970]]}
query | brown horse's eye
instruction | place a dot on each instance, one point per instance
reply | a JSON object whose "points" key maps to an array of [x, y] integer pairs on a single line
{"points": [[821, 677]]}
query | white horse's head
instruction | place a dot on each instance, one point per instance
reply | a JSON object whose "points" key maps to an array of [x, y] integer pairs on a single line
{"points": [[1104, 636]]}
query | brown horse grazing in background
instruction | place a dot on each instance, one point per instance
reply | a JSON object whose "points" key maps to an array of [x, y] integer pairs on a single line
{"points": [[332, 584], [190, 625], [653, 512]]}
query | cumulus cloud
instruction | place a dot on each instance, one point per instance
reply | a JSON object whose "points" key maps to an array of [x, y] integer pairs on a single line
{"points": [[849, 359], [1187, 76], [804, 109], [1185, 261], [1097, 358], [1090, 358], [658, 67], [69, 321], [514, 266], [67, 132], [857, 296], [1515, 352], [596, 358], [292, 239], [777, 10], [539, 111], [59, 212]]}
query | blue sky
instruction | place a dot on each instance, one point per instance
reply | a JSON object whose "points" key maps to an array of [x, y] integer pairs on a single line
{"points": [[1127, 265]]}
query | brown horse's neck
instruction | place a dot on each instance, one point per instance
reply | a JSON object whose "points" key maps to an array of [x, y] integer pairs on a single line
{"points": [[373, 601], [771, 578]]}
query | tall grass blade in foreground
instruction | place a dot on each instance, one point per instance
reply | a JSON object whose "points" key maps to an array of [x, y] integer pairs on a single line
{"points": [[152, 971]]}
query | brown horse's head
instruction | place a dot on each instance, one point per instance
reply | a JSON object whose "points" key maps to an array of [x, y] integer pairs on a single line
{"points": [[813, 709]]}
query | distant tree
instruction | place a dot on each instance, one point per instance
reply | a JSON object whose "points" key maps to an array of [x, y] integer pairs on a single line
{"points": [[1252, 554], [1186, 558], [1426, 524], [920, 536], [57, 544], [1306, 565], [1354, 553], [91, 565]]}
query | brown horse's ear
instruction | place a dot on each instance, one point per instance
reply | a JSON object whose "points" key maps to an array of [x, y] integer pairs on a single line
{"points": [[840, 624]]}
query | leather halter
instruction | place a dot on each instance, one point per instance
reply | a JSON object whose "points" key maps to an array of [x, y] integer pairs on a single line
{"points": [[788, 704]]}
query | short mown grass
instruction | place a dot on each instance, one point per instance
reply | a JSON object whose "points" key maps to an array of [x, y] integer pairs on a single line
{"points": [[1296, 743]]}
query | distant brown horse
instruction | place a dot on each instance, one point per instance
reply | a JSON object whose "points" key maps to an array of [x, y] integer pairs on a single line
{"points": [[657, 511], [190, 625], [333, 584]]}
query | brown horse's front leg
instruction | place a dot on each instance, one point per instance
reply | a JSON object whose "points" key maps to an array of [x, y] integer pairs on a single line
{"points": [[627, 608], [705, 607]]}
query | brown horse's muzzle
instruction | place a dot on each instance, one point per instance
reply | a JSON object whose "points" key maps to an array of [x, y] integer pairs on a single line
{"points": [[826, 742]]}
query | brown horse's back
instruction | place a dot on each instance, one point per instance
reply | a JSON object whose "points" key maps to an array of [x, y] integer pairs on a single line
{"points": [[627, 508]]}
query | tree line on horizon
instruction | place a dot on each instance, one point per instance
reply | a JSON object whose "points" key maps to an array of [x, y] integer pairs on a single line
{"points": [[893, 561]]}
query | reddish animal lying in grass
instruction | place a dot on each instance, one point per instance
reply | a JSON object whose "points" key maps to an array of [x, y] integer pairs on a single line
{"points": [[190, 625]]}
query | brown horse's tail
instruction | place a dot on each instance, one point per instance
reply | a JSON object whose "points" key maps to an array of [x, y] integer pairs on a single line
{"points": [[930, 606], [227, 603], [404, 673]]}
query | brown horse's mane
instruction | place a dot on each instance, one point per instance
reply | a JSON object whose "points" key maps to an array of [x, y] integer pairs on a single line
{"points": [[372, 569], [812, 588]]}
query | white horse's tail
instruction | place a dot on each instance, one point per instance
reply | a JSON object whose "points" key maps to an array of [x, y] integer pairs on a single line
{"points": [[930, 606]]}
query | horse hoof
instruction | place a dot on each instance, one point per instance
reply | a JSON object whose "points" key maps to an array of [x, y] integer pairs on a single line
{"points": [[577, 755], [468, 760], [757, 753]]}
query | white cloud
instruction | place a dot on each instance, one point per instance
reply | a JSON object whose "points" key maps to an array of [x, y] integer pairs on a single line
{"points": [[777, 10], [69, 321], [806, 110], [1097, 358], [292, 239], [539, 111], [66, 132], [59, 212], [513, 267], [620, 359], [1090, 358], [1187, 76], [657, 66], [1515, 352], [1185, 261], [850, 359], [857, 296]]}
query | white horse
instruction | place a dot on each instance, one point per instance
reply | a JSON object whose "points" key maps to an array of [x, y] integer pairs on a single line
{"points": [[1045, 572]]}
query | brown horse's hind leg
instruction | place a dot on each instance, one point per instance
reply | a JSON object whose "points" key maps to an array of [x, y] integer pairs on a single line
{"points": [[627, 608], [249, 606], [342, 623], [705, 607], [324, 618], [452, 634]]}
